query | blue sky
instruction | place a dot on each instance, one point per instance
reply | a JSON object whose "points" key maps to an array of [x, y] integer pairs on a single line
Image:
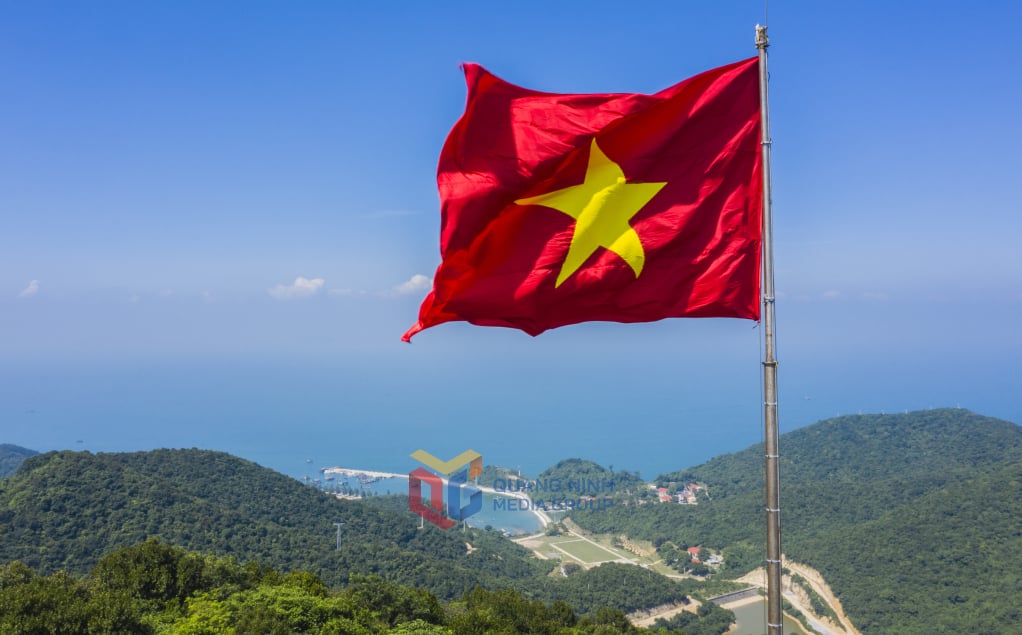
{"points": [[216, 220]]}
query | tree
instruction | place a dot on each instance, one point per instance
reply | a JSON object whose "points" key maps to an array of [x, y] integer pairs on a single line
{"points": [[37, 605]]}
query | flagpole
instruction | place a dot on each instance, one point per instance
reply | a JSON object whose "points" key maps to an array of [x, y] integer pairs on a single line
{"points": [[773, 498]]}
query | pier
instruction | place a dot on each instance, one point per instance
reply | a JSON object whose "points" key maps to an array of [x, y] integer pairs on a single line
{"points": [[360, 474]]}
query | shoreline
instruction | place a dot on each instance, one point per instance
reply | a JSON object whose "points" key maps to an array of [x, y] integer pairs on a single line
{"points": [[544, 518]]}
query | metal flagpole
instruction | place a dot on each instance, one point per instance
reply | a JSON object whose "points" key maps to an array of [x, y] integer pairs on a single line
{"points": [[773, 498]]}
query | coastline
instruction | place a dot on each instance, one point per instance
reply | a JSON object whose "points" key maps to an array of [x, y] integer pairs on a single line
{"points": [[541, 515], [544, 518]]}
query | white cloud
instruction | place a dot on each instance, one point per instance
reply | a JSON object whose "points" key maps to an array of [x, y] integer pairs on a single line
{"points": [[301, 288], [416, 283], [30, 290], [831, 295]]}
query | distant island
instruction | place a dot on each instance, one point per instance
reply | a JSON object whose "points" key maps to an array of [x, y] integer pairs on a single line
{"points": [[11, 458]]}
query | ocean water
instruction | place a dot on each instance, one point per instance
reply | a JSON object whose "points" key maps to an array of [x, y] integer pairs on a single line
{"points": [[513, 521], [298, 416]]}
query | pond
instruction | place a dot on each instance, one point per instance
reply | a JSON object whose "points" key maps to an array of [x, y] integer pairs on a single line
{"points": [[752, 620]]}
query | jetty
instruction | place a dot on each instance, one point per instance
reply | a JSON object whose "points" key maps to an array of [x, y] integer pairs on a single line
{"points": [[360, 474]]}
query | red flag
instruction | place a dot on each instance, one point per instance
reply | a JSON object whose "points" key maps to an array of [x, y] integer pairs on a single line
{"points": [[559, 209]]}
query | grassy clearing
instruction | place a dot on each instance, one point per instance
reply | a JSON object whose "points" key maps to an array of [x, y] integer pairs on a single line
{"points": [[585, 552]]}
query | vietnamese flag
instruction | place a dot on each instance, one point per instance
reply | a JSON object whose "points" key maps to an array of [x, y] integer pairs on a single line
{"points": [[559, 209]]}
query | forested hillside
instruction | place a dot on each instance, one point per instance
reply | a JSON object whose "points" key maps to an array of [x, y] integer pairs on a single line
{"points": [[580, 476], [912, 518], [64, 510], [155, 588], [946, 562], [870, 447]]}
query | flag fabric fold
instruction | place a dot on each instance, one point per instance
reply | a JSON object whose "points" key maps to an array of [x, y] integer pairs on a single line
{"points": [[560, 208]]}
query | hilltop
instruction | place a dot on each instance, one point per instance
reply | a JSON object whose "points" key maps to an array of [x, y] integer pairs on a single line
{"points": [[869, 447]]}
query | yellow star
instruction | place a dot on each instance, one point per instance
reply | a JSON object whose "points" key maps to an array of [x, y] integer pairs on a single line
{"points": [[602, 206]]}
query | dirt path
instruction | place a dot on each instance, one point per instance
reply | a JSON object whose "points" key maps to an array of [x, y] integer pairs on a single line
{"points": [[816, 581], [798, 598], [645, 619]]}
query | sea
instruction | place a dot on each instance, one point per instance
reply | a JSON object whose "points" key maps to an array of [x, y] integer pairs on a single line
{"points": [[298, 417]]}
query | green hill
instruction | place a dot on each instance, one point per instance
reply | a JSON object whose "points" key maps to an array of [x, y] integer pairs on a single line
{"points": [[912, 518], [592, 478], [65, 510], [11, 457], [853, 448], [946, 562]]}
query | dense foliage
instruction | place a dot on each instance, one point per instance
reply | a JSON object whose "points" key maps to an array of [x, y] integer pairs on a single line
{"points": [[912, 518], [708, 619], [577, 477], [64, 509], [621, 586], [11, 457], [155, 588], [854, 448], [948, 562]]}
